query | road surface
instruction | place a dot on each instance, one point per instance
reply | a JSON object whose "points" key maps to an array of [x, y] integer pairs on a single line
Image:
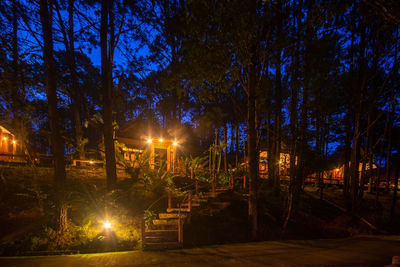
{"points": [[357, 251]]}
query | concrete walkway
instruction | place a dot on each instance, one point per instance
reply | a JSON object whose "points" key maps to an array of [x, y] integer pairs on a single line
{"points": [[358, 251]]}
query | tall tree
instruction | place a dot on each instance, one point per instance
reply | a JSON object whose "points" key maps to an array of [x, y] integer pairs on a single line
{"points": [[107, 46], [57, 143]]}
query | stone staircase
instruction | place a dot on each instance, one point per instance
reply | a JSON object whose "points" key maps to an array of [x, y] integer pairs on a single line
{"points": [[166, 232]]}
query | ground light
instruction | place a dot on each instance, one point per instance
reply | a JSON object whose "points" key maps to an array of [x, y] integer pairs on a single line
{"points": [[107, 225]]}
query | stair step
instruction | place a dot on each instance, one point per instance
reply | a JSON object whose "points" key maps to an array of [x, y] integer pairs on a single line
{"points": [[161, 233], [174, 215], [221, 189], [185, 205], [165, 221], [200, 199], [178, 210], [162, 245], [163, 226], [220, 204], [161, 239]]}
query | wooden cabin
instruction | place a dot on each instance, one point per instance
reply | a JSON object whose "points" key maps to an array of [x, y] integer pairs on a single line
{"points": [[10, 148], [140, 137], [334, 174], [284, 161]]}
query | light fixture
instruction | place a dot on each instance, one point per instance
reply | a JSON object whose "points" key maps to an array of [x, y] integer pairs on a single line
{"points": [[107, 225], [13, 141], [161, 140], [337, 169], [175, 143], [149, 141], [5, 138], [91, 162]]}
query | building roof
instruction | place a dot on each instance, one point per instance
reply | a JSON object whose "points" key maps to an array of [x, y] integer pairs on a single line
{"points": [[4, 130]]}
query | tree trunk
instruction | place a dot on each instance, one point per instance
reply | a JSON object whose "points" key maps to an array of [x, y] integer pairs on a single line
{"points": [[107, 88], [74, 82], [237, 144], [57, 144], [225, 149], [253, 157]]}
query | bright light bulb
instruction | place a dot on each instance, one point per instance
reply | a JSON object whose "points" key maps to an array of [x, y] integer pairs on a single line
{"points": [[149, 141], [175, 143], [91, 162], [337, 169], [161, 140], [14, 142], [107, 225], [5, 138]]}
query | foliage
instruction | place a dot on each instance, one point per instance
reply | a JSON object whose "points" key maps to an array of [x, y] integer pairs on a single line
{"points": [[149, 216]]}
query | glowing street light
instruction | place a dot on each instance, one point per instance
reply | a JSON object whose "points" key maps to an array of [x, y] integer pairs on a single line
{"points": [[175, 143], [14, 142], [91, 162], [149, 141], [161, 140], [5, 138]]}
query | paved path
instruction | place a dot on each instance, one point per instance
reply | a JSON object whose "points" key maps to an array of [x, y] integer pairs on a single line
{"points": [[359, 251]]}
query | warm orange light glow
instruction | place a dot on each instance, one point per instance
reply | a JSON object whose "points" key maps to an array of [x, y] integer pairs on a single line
{"points": [[91, 162], [5, 138], [149, 141], [337, 169], [280, 162], [107, 225], [13, 141], [161, 140], [175, 143]]}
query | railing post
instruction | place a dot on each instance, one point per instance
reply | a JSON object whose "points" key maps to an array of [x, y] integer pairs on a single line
{"points": [[143, 231], [213, 186], [244, 181], [169, 199], [190, 200], [180, 230], [231, 182], [197, 188]]}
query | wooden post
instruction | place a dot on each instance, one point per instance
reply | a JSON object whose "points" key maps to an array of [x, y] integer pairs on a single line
{"points": [[197, 188], [244, 181], [169, 199], [190, 200], [180, 230], [143, 231], [213, 186]]}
